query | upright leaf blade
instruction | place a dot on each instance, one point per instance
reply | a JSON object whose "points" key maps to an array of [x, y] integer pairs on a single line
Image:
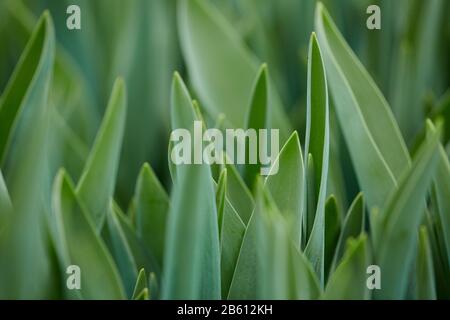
{"points": [[318, 145], [24, 116], [192, 256], [96, 185], [152, 205], [376, 147], [287, 187]]}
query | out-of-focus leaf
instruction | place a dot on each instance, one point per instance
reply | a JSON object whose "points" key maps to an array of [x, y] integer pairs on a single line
{"points": [[211, 47], [191, 268], [153, 286], [332, 231], [140, 289], [287, 187], [79, 244], [442, 189], [353, 226], [117, 244], [257, 118], [96, 185], [378, 152], [395, 230], [24, 116], [348, 282], [152, 205], [5, 202], [318, 145], [426, 289]]}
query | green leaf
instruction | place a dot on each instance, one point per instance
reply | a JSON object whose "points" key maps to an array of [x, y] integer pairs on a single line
{"points": [[117, 243], [191, 268], [24, 116], [211, 47], [221, 199], [318, 145], [238, 194], [332, 231], [140, 289], [353, 226], [256, 119], [152, 205], [232, 235], [287, 186], [5, 202], [442, 189], [79, 244], [268, 272], [426, 289], [96, 185], [376, 147], [348, 282], [396, 228]]}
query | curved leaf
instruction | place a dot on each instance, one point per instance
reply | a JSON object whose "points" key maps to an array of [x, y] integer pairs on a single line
{"points": [[24, 116]]}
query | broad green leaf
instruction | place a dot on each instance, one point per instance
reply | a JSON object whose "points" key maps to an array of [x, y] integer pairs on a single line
{"points": [[140, 289], [256, 119], [376, 147], [152, 205], [396, 228], [117, 244], [425, 286], [352, 227], [287, 186], [191, 268], [268, 271], [211, 47], [79, 244], [332, 231], [24, 116], [96, 185], [318, 145], [238, 194], [348, 282]]}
